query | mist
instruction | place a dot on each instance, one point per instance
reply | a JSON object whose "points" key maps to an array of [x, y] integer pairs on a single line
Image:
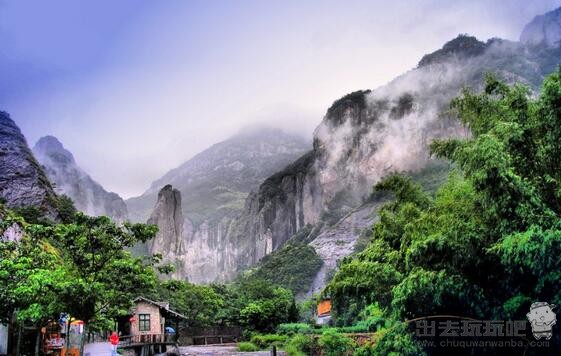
{"points": [[133, 88]]}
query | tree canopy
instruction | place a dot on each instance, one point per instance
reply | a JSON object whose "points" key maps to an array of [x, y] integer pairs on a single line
{"points": [[486, 245]]}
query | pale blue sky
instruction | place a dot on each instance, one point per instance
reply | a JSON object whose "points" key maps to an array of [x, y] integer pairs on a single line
{"points": [[133, 88]]}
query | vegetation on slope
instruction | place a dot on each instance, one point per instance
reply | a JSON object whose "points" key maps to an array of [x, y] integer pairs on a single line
{"points": [[294, 267], [498, 212]]}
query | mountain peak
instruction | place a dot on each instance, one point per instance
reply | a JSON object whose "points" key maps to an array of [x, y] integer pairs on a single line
{"points": [[51, 147], [543, 29], [463, 46], [23, 182], [88, 195]]}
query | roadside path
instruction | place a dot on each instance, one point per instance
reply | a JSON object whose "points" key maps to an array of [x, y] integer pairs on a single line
{"points": [[97, 349]]}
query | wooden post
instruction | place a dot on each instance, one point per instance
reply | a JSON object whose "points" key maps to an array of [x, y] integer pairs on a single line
{"points": [[274, 351]]}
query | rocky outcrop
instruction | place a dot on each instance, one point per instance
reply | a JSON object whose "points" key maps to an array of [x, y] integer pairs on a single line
{"points": [[362, 138], [367, 135], [22, 180], [338, 241], [69, 179], [544, 29], [214, 186], [169, 240]]}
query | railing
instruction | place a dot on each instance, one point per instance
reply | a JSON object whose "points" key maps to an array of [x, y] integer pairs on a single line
{"points": [[209, 335], [132, 340]]}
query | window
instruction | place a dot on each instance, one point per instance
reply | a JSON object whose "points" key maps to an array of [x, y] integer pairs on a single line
{"points": [[144, 322]]}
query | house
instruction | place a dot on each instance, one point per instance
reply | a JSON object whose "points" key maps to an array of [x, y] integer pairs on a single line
{"points": [[148, 317], [324, 312]]}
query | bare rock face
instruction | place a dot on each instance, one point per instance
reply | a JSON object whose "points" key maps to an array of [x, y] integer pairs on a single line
{"points": [[169, 241], [367, 135], [544, 29], [22, 180], [214, 185], [363, 137], [68, 178]]}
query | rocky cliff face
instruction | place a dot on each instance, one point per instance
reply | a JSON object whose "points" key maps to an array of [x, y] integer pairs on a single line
{"points": [[169, 241], [69, 179], [214, 186], [22, 181], [544, 29], [367, 135], [363, 137]]}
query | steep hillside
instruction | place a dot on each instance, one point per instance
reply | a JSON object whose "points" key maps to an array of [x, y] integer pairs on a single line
{"points": [[22, 180], [69, 179], [213, 186], [367, 135], [324, 197], [544, 29]]}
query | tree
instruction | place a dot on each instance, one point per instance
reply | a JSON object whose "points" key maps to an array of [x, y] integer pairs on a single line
{"points": [[32, 275], [106, 277], [487, 244], [200, 304]]}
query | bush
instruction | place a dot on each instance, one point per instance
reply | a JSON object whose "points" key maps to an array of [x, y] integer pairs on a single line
{"points": [[295, 328], [299, 345], [334, 344], [397, 341], [266, 341], [294, 266], [247, 347], [359, 328], [372, 319]]}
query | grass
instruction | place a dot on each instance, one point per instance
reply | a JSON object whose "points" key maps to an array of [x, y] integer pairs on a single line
{"points": [[247, 347]]}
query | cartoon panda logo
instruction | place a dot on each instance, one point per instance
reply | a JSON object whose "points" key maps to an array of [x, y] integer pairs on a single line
{"points": [[542, 318]]}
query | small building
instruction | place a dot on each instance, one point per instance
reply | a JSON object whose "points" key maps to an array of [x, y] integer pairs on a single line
{"points": [[324, 312], [148, 317]]}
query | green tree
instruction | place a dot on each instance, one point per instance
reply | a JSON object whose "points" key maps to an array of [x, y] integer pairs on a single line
{"points": [[200, 304], [32, 275], [106, 277], [487, 244]]}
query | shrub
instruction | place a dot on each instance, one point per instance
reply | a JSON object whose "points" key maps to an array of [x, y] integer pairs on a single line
{"points": [[294, 328], [373, 319], [266, 341], [397, 341], [247, 347], [334, 344], [359, 328], [299, 345]]}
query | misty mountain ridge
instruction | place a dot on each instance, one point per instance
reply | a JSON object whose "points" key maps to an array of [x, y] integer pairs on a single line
{"points": [[543, 30], [369, 134], [221, 176], [69, 179], [227, 207], [196, 204]]}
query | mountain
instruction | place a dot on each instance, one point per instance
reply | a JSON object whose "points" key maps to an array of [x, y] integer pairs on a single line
{"points": [[69, 179], [213, 187], [23, 183], [368, 134], [170, 240], [324, 198], [544, 29]]}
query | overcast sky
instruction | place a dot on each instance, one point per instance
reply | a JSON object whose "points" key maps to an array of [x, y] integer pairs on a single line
{"points": [[134, 88]]}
